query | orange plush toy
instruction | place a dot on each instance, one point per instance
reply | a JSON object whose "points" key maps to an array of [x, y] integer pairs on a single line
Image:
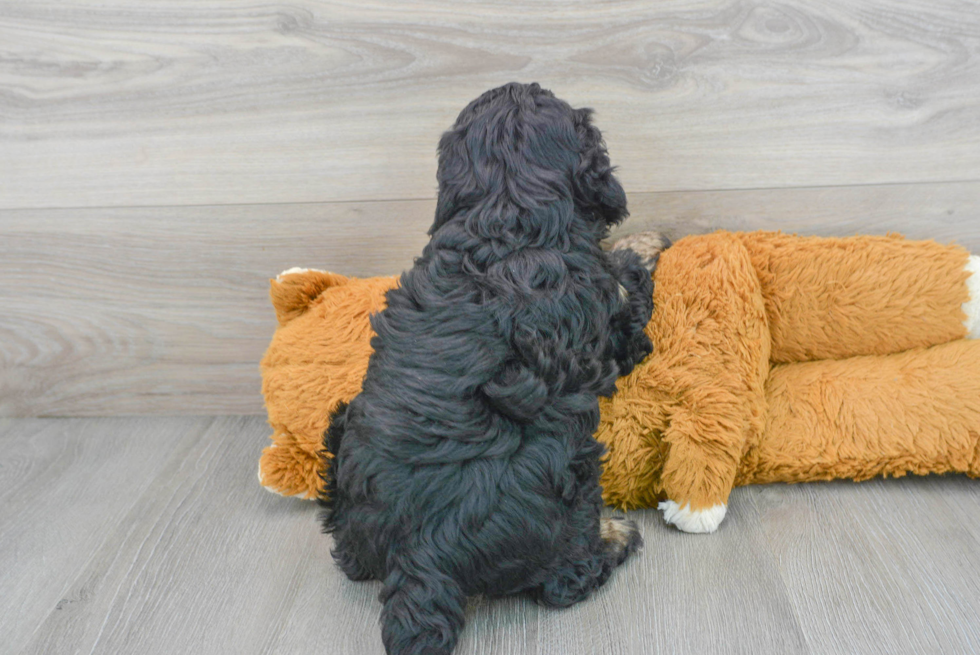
{"points": [[776, 359], [317, 359]]}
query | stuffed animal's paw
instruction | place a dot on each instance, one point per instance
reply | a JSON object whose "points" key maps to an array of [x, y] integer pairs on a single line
{"points": [[296, 270], [287, 470], [693, 520]]}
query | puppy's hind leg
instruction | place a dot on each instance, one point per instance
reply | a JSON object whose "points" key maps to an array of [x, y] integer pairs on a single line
{"points": [[423, 611], [620, 537], [348, 562], [588, 566]]}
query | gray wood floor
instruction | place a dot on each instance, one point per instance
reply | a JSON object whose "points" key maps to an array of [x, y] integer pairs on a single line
{"points": [[151, 535]]}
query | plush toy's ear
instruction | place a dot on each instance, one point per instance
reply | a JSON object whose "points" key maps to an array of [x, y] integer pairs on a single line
{"points": [[293, 290], [595, 185]]}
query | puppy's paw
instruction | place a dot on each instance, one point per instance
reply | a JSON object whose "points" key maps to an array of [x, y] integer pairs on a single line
{"points": [[972, 307], [621, 536], [693, 520], [648, 245]]}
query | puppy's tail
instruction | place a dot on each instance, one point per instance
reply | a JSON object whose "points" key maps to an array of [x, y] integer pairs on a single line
{"points": [[328, 461]]}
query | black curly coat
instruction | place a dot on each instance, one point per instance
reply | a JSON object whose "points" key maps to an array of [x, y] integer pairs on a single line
{"points": [[467, 464]]}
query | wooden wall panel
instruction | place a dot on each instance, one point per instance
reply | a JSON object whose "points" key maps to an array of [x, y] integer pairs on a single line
{"points": [[143, 102], [165, 311]]}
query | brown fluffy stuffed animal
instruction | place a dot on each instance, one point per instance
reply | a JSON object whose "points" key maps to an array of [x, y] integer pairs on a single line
{"points": [[777, 359], [317, 359]]}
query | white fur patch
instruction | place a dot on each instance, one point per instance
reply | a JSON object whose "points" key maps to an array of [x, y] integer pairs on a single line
{"points": [[972, 307], [295, 269], [688, 520]]}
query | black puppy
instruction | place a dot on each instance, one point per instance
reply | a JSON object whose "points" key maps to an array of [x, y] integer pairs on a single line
{"points": [[467, 464]]}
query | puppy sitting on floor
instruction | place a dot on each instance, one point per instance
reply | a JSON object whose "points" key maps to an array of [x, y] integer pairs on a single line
{"points": [[467, 463]]}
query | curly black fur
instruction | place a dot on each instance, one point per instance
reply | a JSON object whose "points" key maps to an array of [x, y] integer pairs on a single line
{"points": [[467, 464]]}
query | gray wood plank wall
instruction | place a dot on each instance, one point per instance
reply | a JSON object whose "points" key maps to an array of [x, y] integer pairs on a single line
{"points": [[159, 161]]}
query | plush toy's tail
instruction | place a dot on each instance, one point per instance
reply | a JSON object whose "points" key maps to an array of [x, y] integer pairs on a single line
{"points": [[328, 461]]}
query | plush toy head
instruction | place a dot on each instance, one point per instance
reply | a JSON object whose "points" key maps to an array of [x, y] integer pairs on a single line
{"points": [[316, 360]]}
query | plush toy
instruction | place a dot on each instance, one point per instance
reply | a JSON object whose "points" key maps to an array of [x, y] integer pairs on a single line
{"points": [[317, 359], [776, 359]]}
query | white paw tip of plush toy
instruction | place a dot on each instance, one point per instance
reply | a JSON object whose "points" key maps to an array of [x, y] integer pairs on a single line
{"points": [[972, 307], [276, 491], [698, 521], [296, 269], [264, 485]]}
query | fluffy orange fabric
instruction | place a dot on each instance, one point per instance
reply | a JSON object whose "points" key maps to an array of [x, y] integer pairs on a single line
{"points": [[677, 427], [837, 298], [317, 358], [705, 412], [777, 358], [912, 412]]}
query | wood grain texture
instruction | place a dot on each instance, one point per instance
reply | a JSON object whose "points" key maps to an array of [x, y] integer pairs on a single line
{"points": [[686, 595], [944, 212], [133, 311], [901, 550], [151, 535], [142, 103], [65, 485], [165, 310], [206, 562]]}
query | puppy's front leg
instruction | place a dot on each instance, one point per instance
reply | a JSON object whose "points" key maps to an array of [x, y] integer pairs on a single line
{"points": [[630, 343], [648, 245]]}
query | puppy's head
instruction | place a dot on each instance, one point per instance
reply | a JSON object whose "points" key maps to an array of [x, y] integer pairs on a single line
{"points": [[520, 146]]}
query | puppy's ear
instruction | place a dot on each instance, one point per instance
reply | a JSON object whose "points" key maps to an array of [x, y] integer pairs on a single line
{"points": [[596, 188]]}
